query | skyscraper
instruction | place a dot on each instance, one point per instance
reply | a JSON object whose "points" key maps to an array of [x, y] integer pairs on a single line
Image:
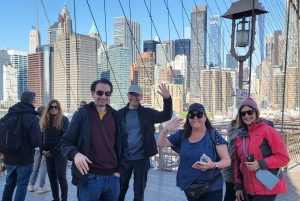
{"points": [[128, 33], [4, 59], [231, 62], [163, 54], [10, 82], [269, 48], [40, 74], [150, 46], [172, 49], [52, 33], [216, 45], [279, 48], [198, 46], [183, 46], [18, 60], [34, 40], [75, 64], [117, 69], [144, 69]]}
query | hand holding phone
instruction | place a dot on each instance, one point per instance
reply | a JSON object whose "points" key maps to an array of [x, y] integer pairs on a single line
{"points": [[250, 158], [201, 163]]}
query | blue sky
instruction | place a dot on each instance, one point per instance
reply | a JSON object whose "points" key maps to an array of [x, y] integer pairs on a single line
{"points": [[17, 17]]}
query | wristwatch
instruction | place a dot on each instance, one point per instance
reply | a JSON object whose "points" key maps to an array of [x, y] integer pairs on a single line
{"points": [[216, 166]]}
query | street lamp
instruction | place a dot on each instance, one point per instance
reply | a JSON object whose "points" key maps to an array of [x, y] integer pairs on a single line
{"points": [[240, 10]]}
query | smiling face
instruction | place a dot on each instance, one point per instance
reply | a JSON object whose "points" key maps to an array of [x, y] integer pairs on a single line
{"points": [[101, 101], [134, 100], [248, 115], [195, 121], [54, 107]]}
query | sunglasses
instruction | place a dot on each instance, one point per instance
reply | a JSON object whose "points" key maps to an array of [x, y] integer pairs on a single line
{"points": [[199, 115], [249, 112], [53, 107], [100, 93]]}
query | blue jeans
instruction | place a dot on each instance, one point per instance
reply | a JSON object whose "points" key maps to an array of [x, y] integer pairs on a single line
{"points": [[216, 195], [17, 175], [99, 188]]}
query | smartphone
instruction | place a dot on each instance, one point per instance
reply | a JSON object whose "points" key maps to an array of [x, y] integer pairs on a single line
{"points": [[250, 158], [198, 162]]}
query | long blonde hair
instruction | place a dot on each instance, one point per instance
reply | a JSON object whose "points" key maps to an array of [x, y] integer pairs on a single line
{"points": [[45, 121]]}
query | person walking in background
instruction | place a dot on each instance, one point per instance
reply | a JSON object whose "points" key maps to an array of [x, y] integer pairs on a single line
{"points": [[228, 173], [266, 150], [194, 141], [39, 165], [141, 142], [96, 142], [19, 164], [53, 125]]}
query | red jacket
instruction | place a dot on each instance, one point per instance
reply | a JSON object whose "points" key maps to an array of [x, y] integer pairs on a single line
{"points": [[269, 150]]}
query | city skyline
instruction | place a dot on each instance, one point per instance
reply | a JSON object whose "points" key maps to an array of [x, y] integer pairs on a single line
{"points": [[113, 9]]}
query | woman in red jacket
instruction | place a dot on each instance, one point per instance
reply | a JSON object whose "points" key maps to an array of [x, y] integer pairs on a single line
{"points": [[261, 141]]}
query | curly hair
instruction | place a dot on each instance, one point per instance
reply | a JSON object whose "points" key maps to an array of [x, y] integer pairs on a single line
{"points": [[57, 123]]}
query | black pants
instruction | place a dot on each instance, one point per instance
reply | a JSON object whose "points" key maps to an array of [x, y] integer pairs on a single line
{"points": [[216, 195], [261, 197], [140, 170], [230, 192], [56, 167]]}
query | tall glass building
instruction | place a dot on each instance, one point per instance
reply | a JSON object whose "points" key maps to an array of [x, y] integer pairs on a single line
{"points": [[216, 45], [117, 69], [4, 58], [183, 46], [150, 46], [198, 47], [19, 60]]}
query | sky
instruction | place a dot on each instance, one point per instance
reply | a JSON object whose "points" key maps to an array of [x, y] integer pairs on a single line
{"points": [[17, 18]]}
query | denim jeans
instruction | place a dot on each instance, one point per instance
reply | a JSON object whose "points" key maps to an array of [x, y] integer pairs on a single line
{"points": [[140, 170], [56, 167], [216, 195], [99, 188], [17, 175], [39, 164]]}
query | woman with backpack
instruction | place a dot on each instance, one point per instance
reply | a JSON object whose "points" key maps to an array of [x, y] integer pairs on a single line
{"points": [[201, 180], [53, 125]]}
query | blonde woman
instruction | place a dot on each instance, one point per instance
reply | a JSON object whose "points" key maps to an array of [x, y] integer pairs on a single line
{"points": [[53, 125]]}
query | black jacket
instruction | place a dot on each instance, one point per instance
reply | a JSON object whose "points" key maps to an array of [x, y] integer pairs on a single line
{"points": [[77, 139], [51, 138], [30, 135], [148, 117]]}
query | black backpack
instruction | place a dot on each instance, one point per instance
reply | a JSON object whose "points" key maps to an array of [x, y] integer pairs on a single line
{"points": [[10, 133], [213, 137]]}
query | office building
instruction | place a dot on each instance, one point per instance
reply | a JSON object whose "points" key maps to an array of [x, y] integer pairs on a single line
{"points": [[216, 44], [34, 40]]}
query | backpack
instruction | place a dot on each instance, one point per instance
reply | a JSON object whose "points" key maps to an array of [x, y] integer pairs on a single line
{"points": [[10, 133], [213, 137]]}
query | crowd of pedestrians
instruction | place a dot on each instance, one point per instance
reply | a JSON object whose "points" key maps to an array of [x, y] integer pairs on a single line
{"points": [[106, 147]]}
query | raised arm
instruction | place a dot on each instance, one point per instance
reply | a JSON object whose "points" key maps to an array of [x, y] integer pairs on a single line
{"points": [[162, 140]]}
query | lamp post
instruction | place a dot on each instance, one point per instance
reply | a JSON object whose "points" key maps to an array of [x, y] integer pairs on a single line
{"points": [[240, 10]]}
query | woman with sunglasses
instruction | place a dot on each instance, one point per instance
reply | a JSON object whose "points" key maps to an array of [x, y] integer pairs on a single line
{"points": [[258, 146], [194, 141], [53, 125]]}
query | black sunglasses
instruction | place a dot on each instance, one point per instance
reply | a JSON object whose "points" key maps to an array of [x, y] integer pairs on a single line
{"points": [[54, 107], [199, 115], [249, 112], [100, 93]]}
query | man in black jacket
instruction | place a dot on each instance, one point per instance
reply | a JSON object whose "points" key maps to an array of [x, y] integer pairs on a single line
{"points": [[96, 142], [141, 142], [19, 165]]}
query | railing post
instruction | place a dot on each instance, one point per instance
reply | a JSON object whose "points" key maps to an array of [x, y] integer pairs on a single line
{"points": [[287, 138], [160, 159]]}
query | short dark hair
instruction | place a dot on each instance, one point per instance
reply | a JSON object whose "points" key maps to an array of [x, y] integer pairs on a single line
{"points": [[27, 97], [41, 110], [83, 102], [103, 81]]}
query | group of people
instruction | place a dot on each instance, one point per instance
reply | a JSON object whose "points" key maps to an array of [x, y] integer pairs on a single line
{"points": [[107, 146]]}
